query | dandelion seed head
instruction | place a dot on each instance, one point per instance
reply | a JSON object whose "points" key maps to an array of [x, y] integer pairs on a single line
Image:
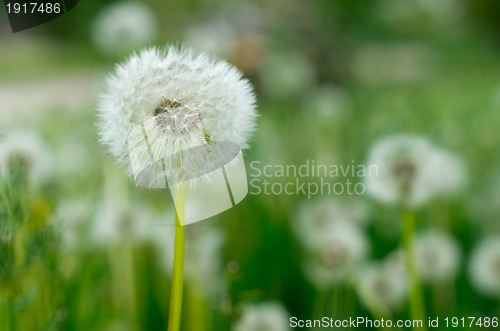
{"points": [[115, 222], [333, 257], [484, 267], [381, 284], [121, 27], [267, 316], [314, 219], [26, 149], [411, 171], [181, 100]]}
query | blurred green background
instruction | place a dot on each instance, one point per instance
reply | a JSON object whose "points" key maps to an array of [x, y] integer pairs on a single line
{"points": [[82, 248]]}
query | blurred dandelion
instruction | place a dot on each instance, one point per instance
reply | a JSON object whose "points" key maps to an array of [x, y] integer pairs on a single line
{"points": [[412, 171], [74, 217], [120, 27], [484, 267], [284, 75], [25, 151], [204, 263], [327, 103], [266, 316], [438, 256], [183, 99], [382, 287], [316, 219], [116, 222], [334, 256]]}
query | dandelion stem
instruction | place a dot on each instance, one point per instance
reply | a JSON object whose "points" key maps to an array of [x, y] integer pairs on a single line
{"points": [[174, 320], [414, 288]]}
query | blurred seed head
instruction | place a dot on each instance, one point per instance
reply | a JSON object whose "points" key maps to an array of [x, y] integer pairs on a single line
{"points": [[484, 267], [327, 103], [316, 220], [333, 257], [27, 152], [382, 286], [267, 316], [438, 256], [204, 260], [122, 26], [286, 75], [74, 217], [115, 222], [412, 171]]}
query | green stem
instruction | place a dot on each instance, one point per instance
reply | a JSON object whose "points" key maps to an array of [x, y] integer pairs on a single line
{"points": [[414, 288], [174, 320]]}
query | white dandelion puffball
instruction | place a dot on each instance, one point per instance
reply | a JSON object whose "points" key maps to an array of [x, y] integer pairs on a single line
{"points": [[315, 220], [267, 316], [28, 148], [204, 258], [170, 101], [327, 103], [411, 171], [333, 257], [121, 27], [438, 256], [450, 175], [284, 75], [484, 267], [381, 286], [74, 216], [115, 222]]}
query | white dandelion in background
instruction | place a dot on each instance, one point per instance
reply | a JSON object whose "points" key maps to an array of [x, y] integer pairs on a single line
{"points": [[382, 286], [74, 217], [438, 256], [117, 222], [450, 175], [29, 151], [327, 102], [171, 115], [335, 255], [266, 316], [315, 219], [203, 264], [484, 267], [411, 171], [122, 26], [215, 36], [283, 75]]}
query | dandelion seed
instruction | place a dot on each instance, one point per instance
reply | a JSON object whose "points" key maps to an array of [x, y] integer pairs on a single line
{"points": [[121, 27]]}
